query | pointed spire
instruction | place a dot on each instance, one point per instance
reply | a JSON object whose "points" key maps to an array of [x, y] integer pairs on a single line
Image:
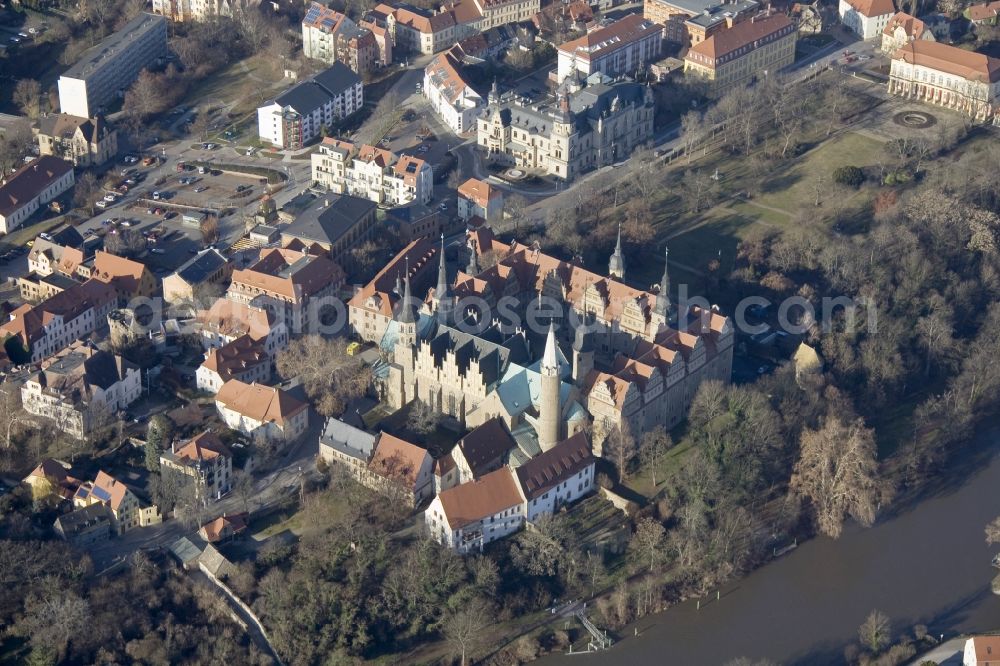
{"points": [[663, 297], [616, 266], [550, 361], [399, 284], [442, 285], [406, 308]]}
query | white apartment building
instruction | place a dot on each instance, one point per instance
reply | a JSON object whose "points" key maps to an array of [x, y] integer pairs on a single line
{"points": [[454, 100], [419, 30], [107, 69], [623, 48], [45, 329], [261, 411], [948, 76], [80, 387], [477, 198], [200, 10], [226, 320], [31, 187], [866, 18], [372, 173], [330, 36], [470, 515], [244, 359], [298, 115]]}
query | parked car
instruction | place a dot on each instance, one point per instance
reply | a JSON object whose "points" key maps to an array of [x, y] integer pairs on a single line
{"points": [[156, 195], [157, 250], [101, 203], [110, 197], [200, 188]]}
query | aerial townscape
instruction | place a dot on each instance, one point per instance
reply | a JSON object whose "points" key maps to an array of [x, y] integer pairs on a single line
{"points": [[494, 331]]}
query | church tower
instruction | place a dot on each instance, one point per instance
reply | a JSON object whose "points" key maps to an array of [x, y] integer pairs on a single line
{"points": [[549, 412], [616, 266], [473, 267], [401, 383], [442, 300], [661, 309]]}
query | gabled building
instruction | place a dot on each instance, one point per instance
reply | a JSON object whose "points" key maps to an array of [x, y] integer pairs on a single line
{"points": [[226, 526], [85, 527], [35, 332], [81, 388], [227, 320], [206, 460], [342, 444], [261, 411], [471, 515], [557, 477], [130, 279], [298, 116], [206, 270], [82, 141], [46, 253], [31, 187], [52, 479], [372, 173], [291, 285], [244, 359], [477, 198], [482, 451], [866, 18], [903, 29], [623, 48], [400, 469], [687, 22], [333, 225], [128, 510], [981, 651], [417, 30], [454, 100], [985, 13], [330, 36]]}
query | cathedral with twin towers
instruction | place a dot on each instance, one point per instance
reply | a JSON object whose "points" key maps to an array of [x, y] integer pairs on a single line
{"points": [[546, 345]]}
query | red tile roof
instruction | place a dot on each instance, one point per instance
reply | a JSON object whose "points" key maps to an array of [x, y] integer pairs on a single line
{"points": [[951, 60], [485, 497], [30, 180]]}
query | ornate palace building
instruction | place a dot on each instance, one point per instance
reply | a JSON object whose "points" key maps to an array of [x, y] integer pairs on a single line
{"points": [[541, 343], [587, 128], [947, 76]]}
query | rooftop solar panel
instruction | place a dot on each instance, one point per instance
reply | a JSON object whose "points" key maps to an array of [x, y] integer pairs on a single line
{"points": [[102, 494]]}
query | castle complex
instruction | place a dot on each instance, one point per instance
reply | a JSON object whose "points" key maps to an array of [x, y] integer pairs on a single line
{"points": [[543, 344]]}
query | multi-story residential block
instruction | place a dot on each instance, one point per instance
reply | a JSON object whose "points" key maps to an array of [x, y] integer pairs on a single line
{"points": [[903, 29], [130, 279], [103, 71], [83, 141], [382, 39], [711, 15], [206, 460], [595, 126], [227, 320], [128, 510], [623, 48], [31, 187], [372, 173], [291, 285], [203, 273], [416, 30], [85, 527], [81, 388], [469, 516], [947, 76], [450, 95], [244, 359], [332, 225], [330, 36], [261, 412], [734, 57], [477, 198], [201, 10], [866, 18], [46, 253], [298, 115], [36, 332], [37, 288]]}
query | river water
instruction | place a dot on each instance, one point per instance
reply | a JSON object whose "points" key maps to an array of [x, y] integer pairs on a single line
{"points": [[928, 564]]}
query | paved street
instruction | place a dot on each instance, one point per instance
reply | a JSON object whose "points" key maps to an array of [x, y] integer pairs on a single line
{"points": [[948, 653]]}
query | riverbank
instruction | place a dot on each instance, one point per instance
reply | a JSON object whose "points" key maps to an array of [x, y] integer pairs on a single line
{"points": [[925, 562]]}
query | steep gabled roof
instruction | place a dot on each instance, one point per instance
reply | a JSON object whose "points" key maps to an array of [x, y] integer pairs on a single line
{"points": [[552, 467], [263, 404], [471, 502]]}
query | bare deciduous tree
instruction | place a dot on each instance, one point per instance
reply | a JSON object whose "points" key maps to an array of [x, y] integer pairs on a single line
{"points": [[655, 445], [838, 471], [993, 532], [619, 448], [875, 631], [28, 96], [423, 419], [463, 628], [648, 540], [330, 377]]}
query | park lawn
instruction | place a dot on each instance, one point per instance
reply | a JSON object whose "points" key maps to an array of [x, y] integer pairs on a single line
{"points": [[792, 189], [642, 480]]}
